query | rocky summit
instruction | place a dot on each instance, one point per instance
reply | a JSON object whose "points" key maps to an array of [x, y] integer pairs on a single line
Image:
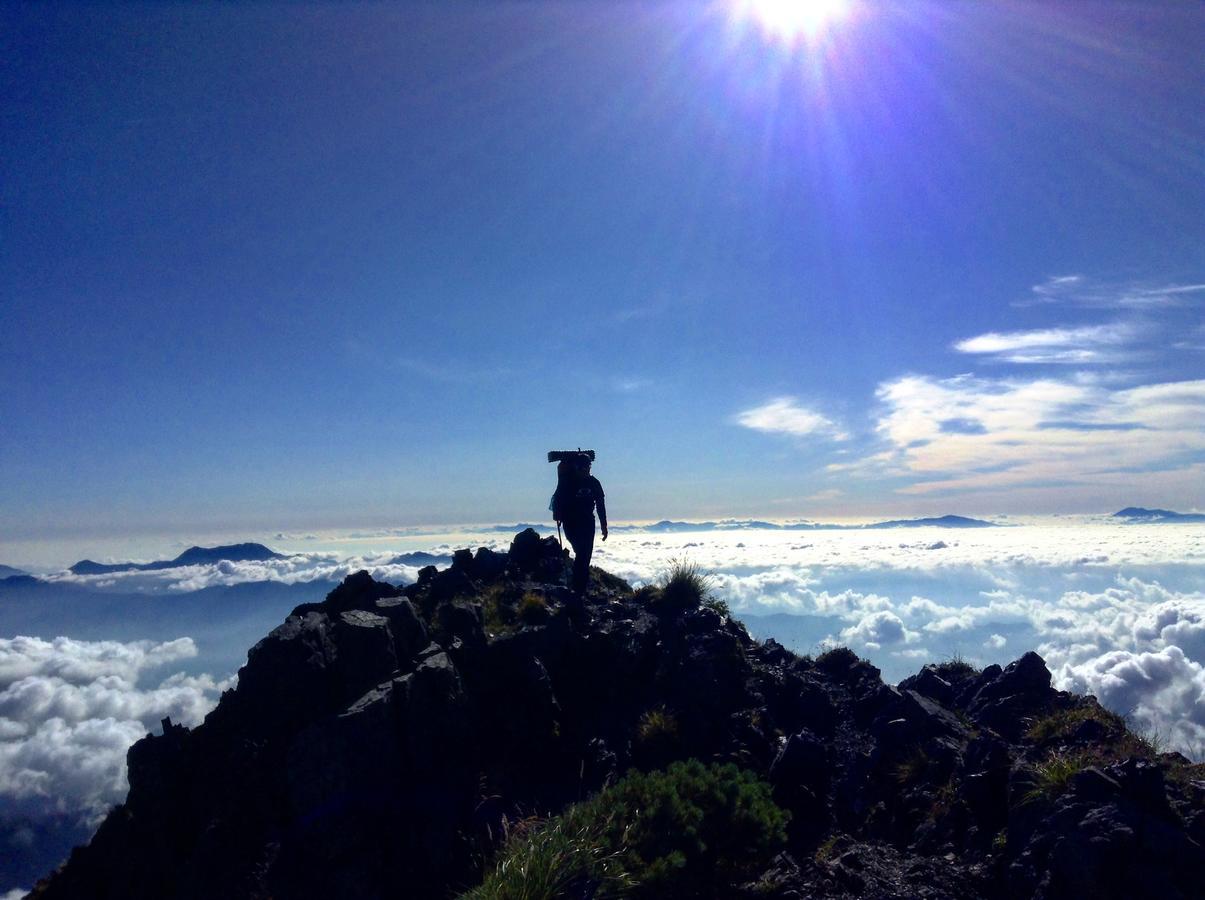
{"points": [[384, 742]]}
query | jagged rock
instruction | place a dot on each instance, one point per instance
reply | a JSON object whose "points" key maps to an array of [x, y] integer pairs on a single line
{"points": [[409, 632], [535, 556], [800, 777], [365, 650], [358, 591], [487, 564], [461, 620], [1018, 692], [929, 684]]}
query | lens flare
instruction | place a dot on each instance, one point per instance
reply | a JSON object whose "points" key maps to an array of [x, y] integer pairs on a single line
{"points": [[793, 20]]}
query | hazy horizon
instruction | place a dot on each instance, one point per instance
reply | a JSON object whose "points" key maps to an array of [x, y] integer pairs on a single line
{"points": [[43, 556]]}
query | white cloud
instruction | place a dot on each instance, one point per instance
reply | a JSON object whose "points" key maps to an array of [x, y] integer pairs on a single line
{"points": [[784, 415], [1078, 290], [1088, 344], [295, 569], [877, 630], [84, 661], [975, 434], [1162, 690], [1115, 609], [70, 709], [829, 494]]}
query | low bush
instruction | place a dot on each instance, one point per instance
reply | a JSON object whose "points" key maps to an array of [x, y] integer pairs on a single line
{"points": [[1063, 724], [684, 586], [532, 608], [689, 830], [656, 724], [1052, 776], [559, 858], [955, 669], [716, 604]]}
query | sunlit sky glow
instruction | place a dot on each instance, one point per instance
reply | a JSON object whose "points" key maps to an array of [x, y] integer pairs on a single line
{"points": [[363, 265], [795, 20]]}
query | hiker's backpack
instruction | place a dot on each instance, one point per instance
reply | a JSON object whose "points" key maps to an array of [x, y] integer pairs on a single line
{"points": [[565, 461], [564, 472]]}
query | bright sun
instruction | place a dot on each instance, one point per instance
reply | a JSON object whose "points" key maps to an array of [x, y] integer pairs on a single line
{"points": [[792, 20]]}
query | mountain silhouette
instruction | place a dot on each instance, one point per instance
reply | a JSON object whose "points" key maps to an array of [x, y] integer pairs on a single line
{"points": [[1156, 516], [191, 557]]}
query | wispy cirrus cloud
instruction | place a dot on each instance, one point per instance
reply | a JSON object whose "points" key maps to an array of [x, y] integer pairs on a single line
{"points": [[1091, 344], [1079, 290], [784, 415], [1050, 431]]}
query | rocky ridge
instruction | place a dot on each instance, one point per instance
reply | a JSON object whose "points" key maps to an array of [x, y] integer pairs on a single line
{"points": [[378, 742]]}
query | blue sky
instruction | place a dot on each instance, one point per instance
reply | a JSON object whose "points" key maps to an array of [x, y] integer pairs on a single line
{"points": [[298, 266]]}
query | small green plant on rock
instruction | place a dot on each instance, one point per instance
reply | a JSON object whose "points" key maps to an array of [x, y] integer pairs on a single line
{"points": [[561, 857], [1052, 776], [836, 658], [955, 669], [532, 607], [657, 724], [1062, 725], [826, 850], [913, 769], [494, 614], [689, 830], [685, 585], [715, 604]]}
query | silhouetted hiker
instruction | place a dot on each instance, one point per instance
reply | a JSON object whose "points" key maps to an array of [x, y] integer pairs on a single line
{"points": [[577, 493]]}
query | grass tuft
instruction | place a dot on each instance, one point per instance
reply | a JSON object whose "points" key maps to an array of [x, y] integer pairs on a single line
{"points": [[655, 725], [685, 585], [1063, 724], [561, 857], [692, 830], [1052, 776], [532, 608]]}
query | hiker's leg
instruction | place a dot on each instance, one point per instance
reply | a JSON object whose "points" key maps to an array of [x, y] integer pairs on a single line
{"points": [[581, 537]]}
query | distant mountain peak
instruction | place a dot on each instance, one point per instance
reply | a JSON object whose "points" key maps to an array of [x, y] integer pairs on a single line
{"points": [[1150, 516], [193, 556]]}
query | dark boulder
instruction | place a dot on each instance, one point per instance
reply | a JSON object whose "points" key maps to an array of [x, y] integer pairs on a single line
{"points": [[930, 684]]}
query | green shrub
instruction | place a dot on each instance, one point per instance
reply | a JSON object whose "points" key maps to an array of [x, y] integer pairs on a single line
{"points": [[555, 859], [684, 586], [837, 659], [1052, 776], [955, 669], [657, 724], [720, 606], [689, 830], [647, 593], [495, 615], [913, 769], [532, 608], [1061, 725]]}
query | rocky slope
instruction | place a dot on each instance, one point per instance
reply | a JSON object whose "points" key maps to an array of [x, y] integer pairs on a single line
{"points": [[378, 741]]}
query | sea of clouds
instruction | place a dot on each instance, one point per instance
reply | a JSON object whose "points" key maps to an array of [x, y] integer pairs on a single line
{"points": [[1117, 610]]}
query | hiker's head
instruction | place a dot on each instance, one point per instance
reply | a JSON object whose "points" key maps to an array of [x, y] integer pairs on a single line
{"points": [[583, 463]]}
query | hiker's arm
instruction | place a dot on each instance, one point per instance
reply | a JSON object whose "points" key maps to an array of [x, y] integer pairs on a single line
{"points": [[600, 499]]}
